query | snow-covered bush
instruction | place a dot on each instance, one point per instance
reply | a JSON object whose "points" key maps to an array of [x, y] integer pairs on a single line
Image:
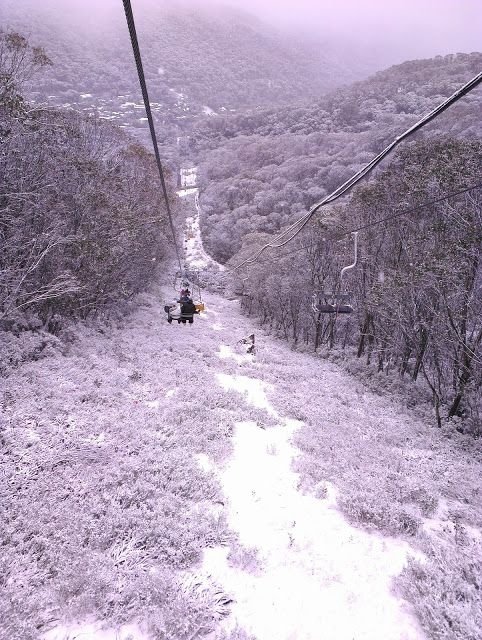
{"points": [[17, 348], [446, 589]]}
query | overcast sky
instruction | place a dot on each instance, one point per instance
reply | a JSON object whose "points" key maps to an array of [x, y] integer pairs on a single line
{"points": [[428, 26], [411, 28]]}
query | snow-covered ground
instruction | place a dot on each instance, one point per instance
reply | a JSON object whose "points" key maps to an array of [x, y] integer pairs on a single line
{"points": [[194, 253], [293, 567], [315, 575], [318, 577], [188, 177]]}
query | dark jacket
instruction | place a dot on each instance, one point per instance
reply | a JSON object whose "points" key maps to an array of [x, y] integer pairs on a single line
{"points": [[188, 308]]}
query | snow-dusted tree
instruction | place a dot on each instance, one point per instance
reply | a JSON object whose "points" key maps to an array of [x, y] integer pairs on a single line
{"points": [[81, 218]]}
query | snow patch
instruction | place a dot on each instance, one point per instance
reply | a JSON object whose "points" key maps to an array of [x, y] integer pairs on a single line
{"points": [[204, 462], [253, 389], [208, 111], [188, 177], [316, 571], [152, 404], [98, 439], [185, 192], [226, 352]]}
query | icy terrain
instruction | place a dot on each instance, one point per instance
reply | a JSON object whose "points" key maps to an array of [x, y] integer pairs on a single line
{"points": [[316, 575], [302, 571]]}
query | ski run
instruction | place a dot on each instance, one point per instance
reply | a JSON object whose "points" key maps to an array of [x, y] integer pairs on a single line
{"points": [[294, 445], [316, 576]]}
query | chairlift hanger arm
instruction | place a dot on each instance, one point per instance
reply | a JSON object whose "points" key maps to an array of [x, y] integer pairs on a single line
{"points": [[355, 260]]}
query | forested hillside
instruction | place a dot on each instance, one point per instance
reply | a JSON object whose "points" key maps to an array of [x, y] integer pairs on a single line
{"points": [[81, 218], [298, 455], [417, 290], [262, 170], [197, 61]]}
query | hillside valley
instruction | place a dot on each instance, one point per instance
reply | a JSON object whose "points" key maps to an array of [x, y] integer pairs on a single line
{"points": [[230, 409], [198, 62], [260, 171]]}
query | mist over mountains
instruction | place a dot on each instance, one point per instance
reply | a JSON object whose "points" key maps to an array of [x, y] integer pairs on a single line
{"points": [[197, 59]]}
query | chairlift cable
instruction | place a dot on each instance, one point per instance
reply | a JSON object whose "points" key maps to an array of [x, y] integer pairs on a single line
{"points": [[299, 224], [400, 214], [142, 80]]}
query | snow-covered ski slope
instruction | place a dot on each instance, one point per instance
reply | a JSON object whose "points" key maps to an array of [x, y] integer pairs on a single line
{"points": [[314, 576], [291, 442], [194, 254]]}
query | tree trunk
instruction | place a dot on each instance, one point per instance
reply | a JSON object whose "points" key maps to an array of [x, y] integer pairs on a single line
{"points": [[363, 334], [421, 353]]}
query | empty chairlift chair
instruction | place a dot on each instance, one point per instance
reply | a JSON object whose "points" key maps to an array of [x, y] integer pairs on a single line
{"points": [[336, 303]]}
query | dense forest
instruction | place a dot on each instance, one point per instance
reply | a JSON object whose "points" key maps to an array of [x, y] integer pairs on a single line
{"points": [[82, 222], [197, 61], [260, 171]]}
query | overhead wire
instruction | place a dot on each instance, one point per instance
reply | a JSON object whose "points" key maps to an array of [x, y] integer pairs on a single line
{"points": [[142, 80], [294, 229], [400, 214]]}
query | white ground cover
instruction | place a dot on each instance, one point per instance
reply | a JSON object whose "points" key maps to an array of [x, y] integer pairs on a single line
{"points": [[315, 570], [318, 577], [188, 177], [163, 484], [196, 256]]}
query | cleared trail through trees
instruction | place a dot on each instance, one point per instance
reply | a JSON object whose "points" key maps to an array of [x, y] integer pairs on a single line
{"points": [[186, 489], [301, 570], [193, 411]]}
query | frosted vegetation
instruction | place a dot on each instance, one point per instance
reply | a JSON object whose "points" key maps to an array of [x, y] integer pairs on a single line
{"points": [[417, 292], [82, 223], [111, 492], [262, 170], [213, 57], [160, 483]]}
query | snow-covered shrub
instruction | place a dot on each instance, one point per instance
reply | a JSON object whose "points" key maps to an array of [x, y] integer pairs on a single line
{"points": [[373, 512], [106, 497], [236, 634], [26, 346], [446, 589], [244, 558]]}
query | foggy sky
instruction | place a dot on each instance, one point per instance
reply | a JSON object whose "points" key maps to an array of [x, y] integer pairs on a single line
{"points": [[424, 27], [405, 28]]}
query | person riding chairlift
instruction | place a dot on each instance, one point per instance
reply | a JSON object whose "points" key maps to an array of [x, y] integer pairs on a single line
{"points": [[188, 309]]}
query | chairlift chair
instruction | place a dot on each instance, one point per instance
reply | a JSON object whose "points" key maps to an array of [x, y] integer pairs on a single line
{"points": [[332, 302], [190, 280]]}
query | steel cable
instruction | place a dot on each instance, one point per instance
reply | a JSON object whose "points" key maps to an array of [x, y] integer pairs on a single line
{"points": [[281, 240], [338, 236], [142, 80]]}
